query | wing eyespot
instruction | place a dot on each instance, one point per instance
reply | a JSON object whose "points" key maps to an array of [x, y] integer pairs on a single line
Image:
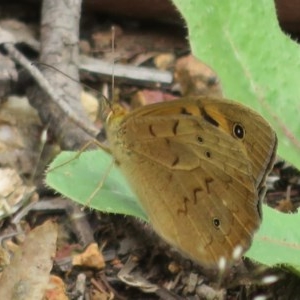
{"points": [[216, 223], [207, 154], [200, 139], [238, 131]]}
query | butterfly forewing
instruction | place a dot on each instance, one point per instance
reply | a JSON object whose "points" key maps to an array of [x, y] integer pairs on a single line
{"points": [[260, 140]]}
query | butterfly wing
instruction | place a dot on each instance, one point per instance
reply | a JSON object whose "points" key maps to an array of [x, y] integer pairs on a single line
{"points": [[259, 140], [192, 177]]}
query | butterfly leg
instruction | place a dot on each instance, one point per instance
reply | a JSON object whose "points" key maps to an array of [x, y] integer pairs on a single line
{"points": [[100, 184], [78, 153]]}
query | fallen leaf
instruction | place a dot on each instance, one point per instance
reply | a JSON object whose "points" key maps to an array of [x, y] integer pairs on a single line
{"points": [[56, 289], [91, 257], [28, 274]]}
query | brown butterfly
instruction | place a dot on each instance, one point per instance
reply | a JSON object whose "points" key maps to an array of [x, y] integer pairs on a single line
{"points": [[198, 166]]}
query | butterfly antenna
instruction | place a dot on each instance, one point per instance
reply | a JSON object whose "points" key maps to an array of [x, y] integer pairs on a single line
{"points": [[113, 31], [43, 141], [37, 63]]}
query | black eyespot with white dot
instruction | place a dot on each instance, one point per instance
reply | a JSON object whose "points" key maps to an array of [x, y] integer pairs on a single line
{"points": [[238, 131], [216, 223]]}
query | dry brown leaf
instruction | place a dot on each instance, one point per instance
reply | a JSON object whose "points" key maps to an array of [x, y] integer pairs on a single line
{"points": [[196, 78], [164, 61], [20, 130], [286, 205], [13, 192], [145, 97], [56, 289], [90, 104], [91, 257], [28, 274], [20, 33], [99, 295]]}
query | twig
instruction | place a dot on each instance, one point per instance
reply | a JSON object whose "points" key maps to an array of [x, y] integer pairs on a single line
{"points": [[44, 84], [130, 74]]}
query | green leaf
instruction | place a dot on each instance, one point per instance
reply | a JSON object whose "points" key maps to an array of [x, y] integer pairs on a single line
{"points": [[277, 242], [80, 177], [257, 63]]}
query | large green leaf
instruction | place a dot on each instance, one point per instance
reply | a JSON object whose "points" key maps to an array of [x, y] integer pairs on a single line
{"points": [[278, 240], [257, 63]]}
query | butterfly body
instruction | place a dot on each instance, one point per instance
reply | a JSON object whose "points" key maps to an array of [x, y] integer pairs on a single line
{"points": [[198, 167]]}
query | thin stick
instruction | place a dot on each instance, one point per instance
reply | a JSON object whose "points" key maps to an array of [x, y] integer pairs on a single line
{"points": [[113, 66], [44, 84]]}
